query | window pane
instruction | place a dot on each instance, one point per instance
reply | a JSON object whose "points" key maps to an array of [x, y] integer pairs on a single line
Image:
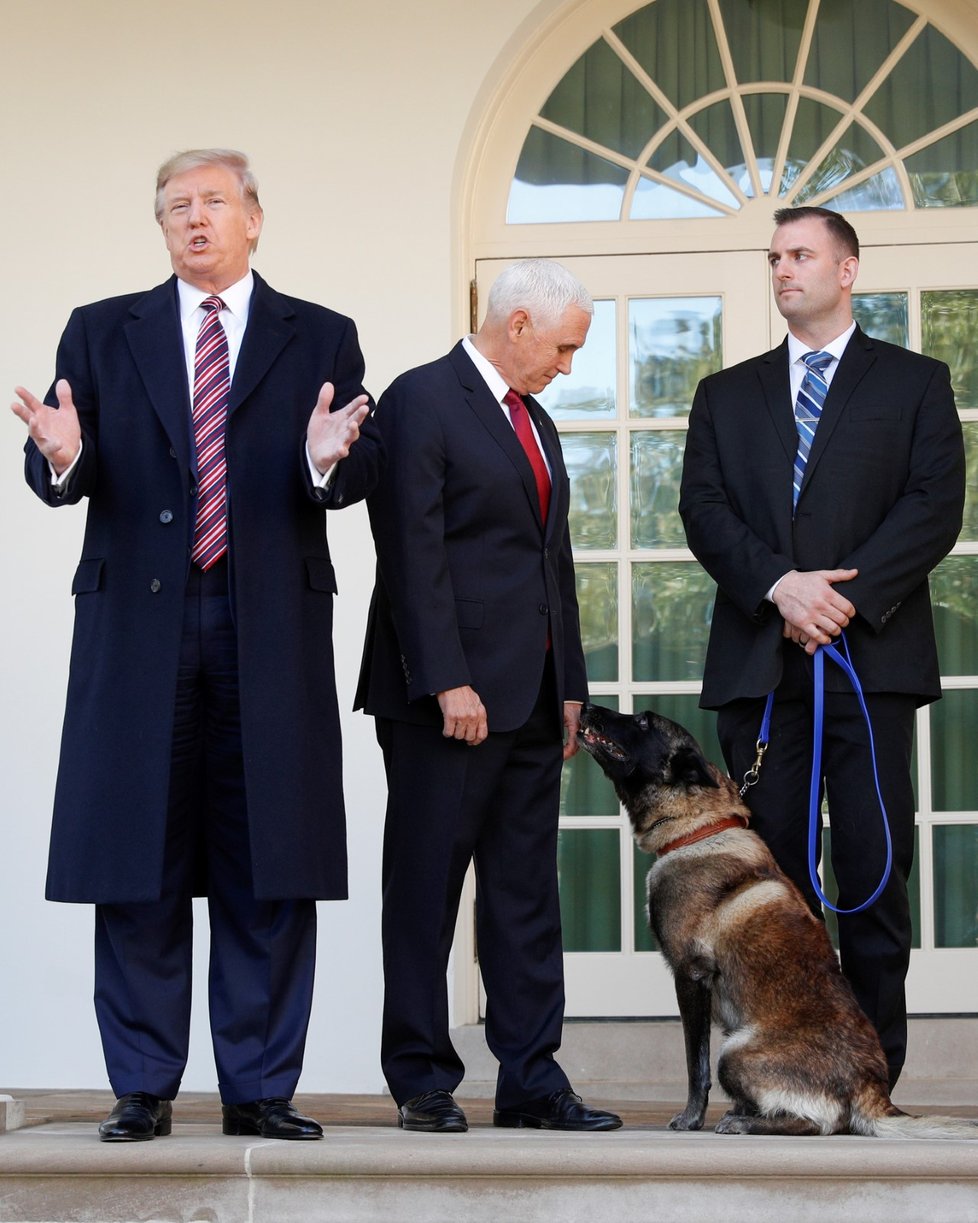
{"points": [[672, 604], [854, 152], [673, 40], [765, 117], [597, 597], [954, 595], [601, 100], [831, 889], [931, 85], [883, 315], [588, 391], [954, 731], [677, 159], [654, 202], [592, 464], [589, 871], [557, 181], [943, 175], [673, 342], [878, 193], [813, 124], [948, 326], [641, 865], [715, 126], [969, 530], [584, 789], [764, 41], [868, 29], [956, 885], [656, 468]]}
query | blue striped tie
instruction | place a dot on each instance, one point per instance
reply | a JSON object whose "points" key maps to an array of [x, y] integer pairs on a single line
{"points": [[808, 409]]}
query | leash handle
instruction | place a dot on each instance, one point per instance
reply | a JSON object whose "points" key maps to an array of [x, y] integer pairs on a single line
{"points": [[813, 821]]}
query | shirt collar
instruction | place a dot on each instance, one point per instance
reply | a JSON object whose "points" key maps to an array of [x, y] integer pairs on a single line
{"points": [[497, 384], [236, 297], [797, 350]]}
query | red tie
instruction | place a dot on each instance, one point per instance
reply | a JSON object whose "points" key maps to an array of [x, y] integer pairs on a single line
{"points": [[524, 431], [210, 408]]}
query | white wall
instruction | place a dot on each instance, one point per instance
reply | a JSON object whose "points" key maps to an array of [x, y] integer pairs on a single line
{"points": [[356, 117]]}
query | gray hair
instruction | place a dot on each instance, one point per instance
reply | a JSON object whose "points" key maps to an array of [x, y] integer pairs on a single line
{"points": [[193, 159], [543, 288]]}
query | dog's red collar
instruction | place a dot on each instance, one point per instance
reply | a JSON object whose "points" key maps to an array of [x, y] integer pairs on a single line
{"points": [[737, 820]]}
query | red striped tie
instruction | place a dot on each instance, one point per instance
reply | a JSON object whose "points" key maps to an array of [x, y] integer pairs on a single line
{"points": [[212, 381], [524, 431]]}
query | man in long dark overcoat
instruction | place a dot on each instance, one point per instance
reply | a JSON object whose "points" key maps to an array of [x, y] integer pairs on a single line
{"points": [[201, 743]]}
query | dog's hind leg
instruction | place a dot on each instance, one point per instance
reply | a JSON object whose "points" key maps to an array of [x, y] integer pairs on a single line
{"points": [[778, 1123], [695, 1007]]}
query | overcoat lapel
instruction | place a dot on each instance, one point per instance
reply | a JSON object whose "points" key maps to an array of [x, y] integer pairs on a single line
{"points": [[156, 345], [269, 329], [490, 415]]}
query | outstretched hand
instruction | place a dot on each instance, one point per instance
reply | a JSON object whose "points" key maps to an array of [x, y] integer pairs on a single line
{"points": [[331, 434], [55, 431]]}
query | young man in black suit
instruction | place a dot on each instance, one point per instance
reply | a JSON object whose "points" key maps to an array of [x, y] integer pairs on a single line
{"points": [[809, 529], [474, 670], [200, 751]]}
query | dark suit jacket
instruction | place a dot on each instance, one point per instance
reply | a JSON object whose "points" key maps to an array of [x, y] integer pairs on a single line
{"points": [[469, 579], [125, 362], [883, 493]]}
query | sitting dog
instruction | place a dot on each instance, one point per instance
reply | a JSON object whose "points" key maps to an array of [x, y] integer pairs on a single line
{"points": [[745, 950]]}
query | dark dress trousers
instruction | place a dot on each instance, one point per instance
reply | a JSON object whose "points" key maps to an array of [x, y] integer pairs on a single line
{"points": [[883, 493], [201, 742], [471, 585]]}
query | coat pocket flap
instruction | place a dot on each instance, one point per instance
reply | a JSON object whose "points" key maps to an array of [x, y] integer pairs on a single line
{"points": [[321, 574], [88, 577]]}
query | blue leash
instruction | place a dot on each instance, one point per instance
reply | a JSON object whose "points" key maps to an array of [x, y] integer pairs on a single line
{"points": [[763, 739]]}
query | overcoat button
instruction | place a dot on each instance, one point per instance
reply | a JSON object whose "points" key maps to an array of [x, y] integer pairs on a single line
{"points": [[166, 516], [155, 585]]}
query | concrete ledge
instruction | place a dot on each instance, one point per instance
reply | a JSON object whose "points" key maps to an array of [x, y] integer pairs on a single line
{"points": [[11, 1114], [61, 1172]]}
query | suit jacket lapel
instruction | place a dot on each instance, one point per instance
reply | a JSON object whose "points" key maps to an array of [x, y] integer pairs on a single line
{"points": [[856, 360], [156, 344], [772, 370], [490, 414], [269, 329]]}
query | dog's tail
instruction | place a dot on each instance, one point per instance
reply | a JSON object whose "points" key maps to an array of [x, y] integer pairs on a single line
{"points": [[898, 1124]]}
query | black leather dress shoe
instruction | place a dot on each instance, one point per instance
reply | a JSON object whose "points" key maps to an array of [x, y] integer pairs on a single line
{"points": [[137, 1117], [275, 1117], [433, 1112], [562, 1110]]}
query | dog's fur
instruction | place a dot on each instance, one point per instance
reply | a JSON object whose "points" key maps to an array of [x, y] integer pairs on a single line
{"points": [[745, 950]]}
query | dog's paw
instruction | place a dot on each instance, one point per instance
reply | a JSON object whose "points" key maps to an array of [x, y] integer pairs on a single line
{"points": [[687, 1120], [733, 1123]]}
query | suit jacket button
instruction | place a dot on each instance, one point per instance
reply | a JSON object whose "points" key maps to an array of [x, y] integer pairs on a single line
{"points": [[543, 609], [173, 453], [166, 516], [155, 585]]}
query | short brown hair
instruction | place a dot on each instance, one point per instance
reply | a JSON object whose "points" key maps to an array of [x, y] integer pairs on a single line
{"points": [[835, 222]]}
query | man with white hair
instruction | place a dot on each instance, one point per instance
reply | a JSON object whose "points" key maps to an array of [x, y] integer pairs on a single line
{"points": [[209, 423], [474, 670]]}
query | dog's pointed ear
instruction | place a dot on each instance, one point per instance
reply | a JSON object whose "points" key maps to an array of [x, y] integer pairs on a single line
{"points": [[690, 767]]}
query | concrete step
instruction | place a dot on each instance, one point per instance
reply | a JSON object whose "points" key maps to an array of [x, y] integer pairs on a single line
{"points": [[59, 1173], [645, 1060]]}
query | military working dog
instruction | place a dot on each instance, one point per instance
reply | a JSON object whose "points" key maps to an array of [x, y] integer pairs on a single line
{"points": [[745, 951]]}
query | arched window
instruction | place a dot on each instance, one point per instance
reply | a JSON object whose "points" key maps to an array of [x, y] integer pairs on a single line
{"points": [[689, 108]]}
